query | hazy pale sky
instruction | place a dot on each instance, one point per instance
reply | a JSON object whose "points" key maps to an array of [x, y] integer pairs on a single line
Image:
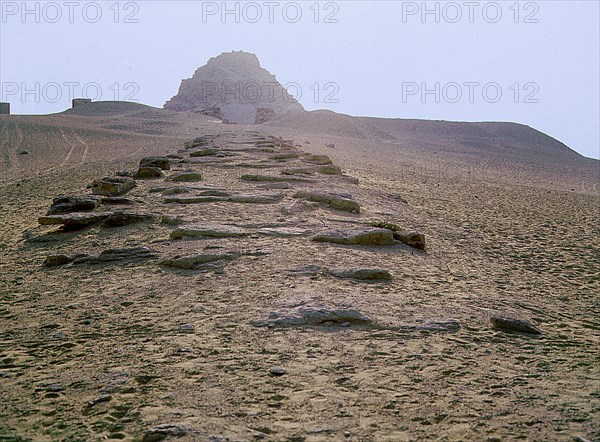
{"points": [[535, 63]]}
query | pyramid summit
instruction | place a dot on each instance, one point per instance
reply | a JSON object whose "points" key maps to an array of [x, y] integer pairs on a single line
{"points": [[235, 88]]}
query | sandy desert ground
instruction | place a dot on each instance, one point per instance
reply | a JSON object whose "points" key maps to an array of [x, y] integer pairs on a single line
{"points": [[138, 350]]}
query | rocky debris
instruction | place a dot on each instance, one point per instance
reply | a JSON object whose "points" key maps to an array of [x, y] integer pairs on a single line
{"points": [[253, 165], [175, 191], [298, 207], [276, 186], [161, 432], [207, 151], [87, 408], [216, 162], [314, 314], [325, 170], [256, 199], [125, 218], [274, 179], [411, 238], [117, 255], [73, 221], [360, 274], [509, 324], [125, 173], [198, 142], [385, 225], [194, 199], [194, 262], [117, 201], [112, 186], [57, 260], [209, 231], [299, 171], [320, 160], [367, 236], [186, 327], [214, 192], [285, 156], [343, 202], [172, 220], [285, 232], [147, 172], [330, 170], [240, 198], [186, 176], [67, 204], [277, 371], [265, 143], [371, 274], [162, 163]]}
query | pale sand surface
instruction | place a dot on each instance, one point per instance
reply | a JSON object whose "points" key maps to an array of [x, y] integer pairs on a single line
{"points": [[511, 233]]}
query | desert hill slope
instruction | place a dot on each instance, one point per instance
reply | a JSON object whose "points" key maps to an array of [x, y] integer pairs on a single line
{"points": [[485, 138], [100, 131]]}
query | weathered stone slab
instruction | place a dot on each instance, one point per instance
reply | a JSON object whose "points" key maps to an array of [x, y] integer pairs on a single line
{"points": [[370, 274], [67, 204], [57, 260], [198, 142], [192, 262], [368, 236], [74, 220], [147, 172], [285, 156], [118, 201], [299, 171], [162, 163], [194, 199], [125, 218], [274, 179], [320, 160], [112, 186], [208, 151], [208, 231], [313, 314], [509, 324], [256, 199], [159, 433], [341, 202], [240, 198], [411, 238], [117, 255], [285, 232]]}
